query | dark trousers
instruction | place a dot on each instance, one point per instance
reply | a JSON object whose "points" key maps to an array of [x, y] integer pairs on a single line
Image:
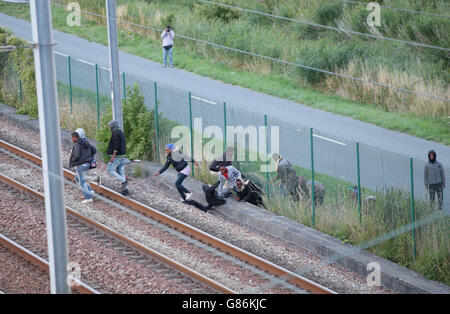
{"points": [[437, 189], [179, 185]]}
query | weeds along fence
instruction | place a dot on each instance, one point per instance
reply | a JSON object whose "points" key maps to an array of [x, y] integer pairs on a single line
{"points": [[368, 191]]}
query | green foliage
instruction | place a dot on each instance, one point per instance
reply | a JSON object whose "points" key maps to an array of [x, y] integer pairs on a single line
{"points": [[138, 123], [212, 12], [320, 54], [14, 66]]}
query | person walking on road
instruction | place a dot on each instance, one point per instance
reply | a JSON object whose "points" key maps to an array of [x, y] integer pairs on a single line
{"points": [[167, 42], [434, 178], [178, 160], [117, 149], [81, 157]]}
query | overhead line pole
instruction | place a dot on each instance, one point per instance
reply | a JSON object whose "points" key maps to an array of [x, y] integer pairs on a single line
{"points": [[114, 61], [44, 61]]}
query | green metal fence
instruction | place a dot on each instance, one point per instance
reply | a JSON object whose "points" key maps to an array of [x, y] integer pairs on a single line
{"points": [[358, 180]]}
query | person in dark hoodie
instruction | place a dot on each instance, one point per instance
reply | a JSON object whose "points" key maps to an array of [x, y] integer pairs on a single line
{"points": [[247, 191], [434, 178], [212, 198], [177, 159], [81, 157], [117, 149]]}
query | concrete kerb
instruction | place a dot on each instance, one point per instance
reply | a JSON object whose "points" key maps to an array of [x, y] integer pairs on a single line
{"points": [[393, 276]]}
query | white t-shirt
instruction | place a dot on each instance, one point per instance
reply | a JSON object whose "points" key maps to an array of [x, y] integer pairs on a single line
{"points": [[167, 38]]}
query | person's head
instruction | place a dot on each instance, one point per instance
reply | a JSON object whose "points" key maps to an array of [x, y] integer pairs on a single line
{"points": [[75, 137], [432, 156], [169, 148], [80, 132], [113, 124], [239, 183], [168, 28], [275, 156]]}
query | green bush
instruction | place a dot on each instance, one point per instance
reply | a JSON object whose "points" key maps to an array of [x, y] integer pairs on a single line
{"points": [[17, 65], [213, 12], [139, 127], [323, 55]]}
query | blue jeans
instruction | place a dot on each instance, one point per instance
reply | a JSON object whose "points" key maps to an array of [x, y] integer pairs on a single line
{"points": [[169, 52], [179, 185], [79, 178], [116, 169]]}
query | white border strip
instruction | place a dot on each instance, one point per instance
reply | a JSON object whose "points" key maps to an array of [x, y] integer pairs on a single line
{"points": [[204, 100], [330, 140]]}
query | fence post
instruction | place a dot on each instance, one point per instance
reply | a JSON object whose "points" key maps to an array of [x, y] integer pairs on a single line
{"points": [[358, 173], [124, 89], [267, 156], [20, 92], [192, 132], [98, 98], [225, 127], [313, 218], [156, 121], [70, 82], [413, 218]]}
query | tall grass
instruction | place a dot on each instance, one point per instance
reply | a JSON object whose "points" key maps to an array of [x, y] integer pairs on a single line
{"points": [[421, 70]]}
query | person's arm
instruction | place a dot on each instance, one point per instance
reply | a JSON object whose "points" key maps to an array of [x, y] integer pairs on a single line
{"points": [[189, 158], [425, 176], [214, 186], [442, 176], [248, 194], [75, 153], [93, 150], [116, 141], [164, 168], [163, 34]]}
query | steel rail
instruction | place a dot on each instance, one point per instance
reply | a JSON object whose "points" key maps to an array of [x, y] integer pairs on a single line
{"points": [[195, 233], [42, 263], [138, 246]]}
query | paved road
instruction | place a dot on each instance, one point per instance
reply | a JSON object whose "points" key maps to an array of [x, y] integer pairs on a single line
{"points": [[324, 122]]}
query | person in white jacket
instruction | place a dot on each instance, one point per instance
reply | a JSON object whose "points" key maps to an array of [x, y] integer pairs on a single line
{"points": [[167, 42]]}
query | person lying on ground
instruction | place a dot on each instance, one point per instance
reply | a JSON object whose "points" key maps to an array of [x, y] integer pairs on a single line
{"points": [[212, 198], [247, 191]]}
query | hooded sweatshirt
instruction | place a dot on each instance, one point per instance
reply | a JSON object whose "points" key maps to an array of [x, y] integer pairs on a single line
{"points": [[82, 153], [434, 172], [117, 142]]}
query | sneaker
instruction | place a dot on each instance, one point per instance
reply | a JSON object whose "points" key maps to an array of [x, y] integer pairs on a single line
{"points": [[124, 184], [87, 201], [188, 196], [171, 65], [124, 192], [92, 192], [164, 65]]}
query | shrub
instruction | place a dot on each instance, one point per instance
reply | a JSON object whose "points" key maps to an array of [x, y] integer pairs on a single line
{"points": [[138, 123], [14, 66]]}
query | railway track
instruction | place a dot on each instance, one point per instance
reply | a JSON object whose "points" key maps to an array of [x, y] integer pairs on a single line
{"points": [[214, 242], [40, 263]]}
